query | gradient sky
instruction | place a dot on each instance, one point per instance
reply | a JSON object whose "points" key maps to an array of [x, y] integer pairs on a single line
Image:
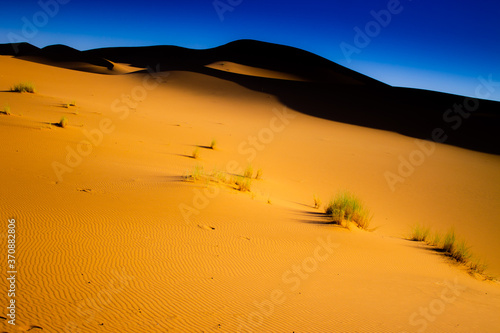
{"points": [[437, 45]]}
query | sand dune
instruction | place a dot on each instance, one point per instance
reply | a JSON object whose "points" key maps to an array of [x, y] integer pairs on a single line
{"points": [[117, 241]]}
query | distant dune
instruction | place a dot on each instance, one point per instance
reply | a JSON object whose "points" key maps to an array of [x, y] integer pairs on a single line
{"points": [[331, 91], [134, 216]]}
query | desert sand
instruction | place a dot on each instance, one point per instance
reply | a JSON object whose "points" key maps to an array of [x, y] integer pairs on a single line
{"points": [[112, 238]]}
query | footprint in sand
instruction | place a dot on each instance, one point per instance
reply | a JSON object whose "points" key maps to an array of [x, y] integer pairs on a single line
{"points": [[205, 227]]}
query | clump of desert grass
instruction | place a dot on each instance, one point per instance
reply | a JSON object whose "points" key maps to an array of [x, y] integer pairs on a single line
{"points": [[248, 173], [241, 183], [420, 233], [24, 87], [346, 208], [213, 144], [317, 201], [451, 246], [6, 110], [63, 123], [196, 153]]}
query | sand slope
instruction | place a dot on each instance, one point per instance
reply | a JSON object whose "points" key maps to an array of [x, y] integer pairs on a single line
{"points": [[122, 244]]}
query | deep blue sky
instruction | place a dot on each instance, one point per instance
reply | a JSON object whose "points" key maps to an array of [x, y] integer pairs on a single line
{"points": [[438, 45]]}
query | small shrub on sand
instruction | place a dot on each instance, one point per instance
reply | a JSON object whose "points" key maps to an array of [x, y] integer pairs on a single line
{"points": [[24, 87], [420, 233], [197, 172], [243, 184], [450, 246], [436, 240], [6, 109], [248, 173], [347, 207], [477, 266], [449, 241], [317, 201], [258, 174], [196, 153], [63, 123], [219, 176], [461, 252], [213, 144]]}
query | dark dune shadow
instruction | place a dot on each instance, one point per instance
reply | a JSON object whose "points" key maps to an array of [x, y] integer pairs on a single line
{"points": [[184, 155], [313, 217], [333, 91]]}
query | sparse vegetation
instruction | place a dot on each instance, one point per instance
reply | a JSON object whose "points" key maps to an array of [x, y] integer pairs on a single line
{"points": [[63, 123], [248, 173], [420, 233], [213, 144], [317, 201], [24, 87], [450, 246], [449, 241], [197, 172], [436, 240], [258, 174], [477, 266], [238, 182], [346, 207], [6, 109], [243, 184], [196, 153]]}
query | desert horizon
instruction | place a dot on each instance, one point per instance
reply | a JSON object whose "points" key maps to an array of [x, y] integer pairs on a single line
{"points": [[249, 187]]}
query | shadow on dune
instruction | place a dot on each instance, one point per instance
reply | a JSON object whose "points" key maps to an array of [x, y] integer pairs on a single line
{"points": [[332, 92]]}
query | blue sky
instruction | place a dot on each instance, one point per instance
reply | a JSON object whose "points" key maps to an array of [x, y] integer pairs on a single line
{"points": [[437, 45]]}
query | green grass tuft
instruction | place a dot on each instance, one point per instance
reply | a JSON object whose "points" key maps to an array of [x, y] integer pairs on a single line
{"points": [[243, 184], [461, 252], [63, 123], [213, 144], [346, 207], [449, 242], [196, 153], [248, 173], [317, 201], [197, 172], [24, 87], [420, 233], [477, 266], [436, 240], [450, 246], [6, 110]]}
